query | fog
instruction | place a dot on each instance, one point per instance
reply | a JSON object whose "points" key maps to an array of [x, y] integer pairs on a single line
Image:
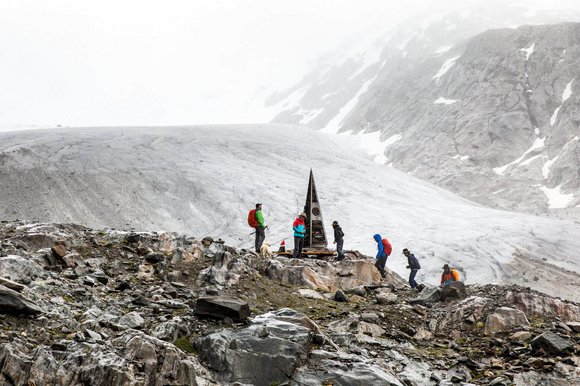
{"points": [[149, 62]]}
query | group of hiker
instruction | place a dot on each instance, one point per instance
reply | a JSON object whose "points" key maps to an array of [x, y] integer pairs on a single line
{"points": [[384, 248]]}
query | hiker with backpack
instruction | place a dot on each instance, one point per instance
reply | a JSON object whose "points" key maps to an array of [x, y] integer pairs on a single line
{"points": [[256, 221], [449, 275], [414, 266], [299, 228], [384, 250], [338, 240]]}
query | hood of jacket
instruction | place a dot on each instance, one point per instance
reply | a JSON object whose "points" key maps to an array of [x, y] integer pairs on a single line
{"points": [[377, 238]]}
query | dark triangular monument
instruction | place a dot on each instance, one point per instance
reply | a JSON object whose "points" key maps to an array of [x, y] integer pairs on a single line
{"points": [[315, 235]]}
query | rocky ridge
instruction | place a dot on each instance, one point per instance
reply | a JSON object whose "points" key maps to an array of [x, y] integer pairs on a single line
{"points": [[494, 110], [106, 307]]}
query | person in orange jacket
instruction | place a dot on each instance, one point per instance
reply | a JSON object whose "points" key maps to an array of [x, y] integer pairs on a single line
{"points": [[449, 276]]}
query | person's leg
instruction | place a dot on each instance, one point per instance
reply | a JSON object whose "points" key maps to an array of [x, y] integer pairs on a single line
{"points": [[340, 254], [412, 281], [301, 242], [380, 264], [257, 239], [297, 247], [261, 232]]}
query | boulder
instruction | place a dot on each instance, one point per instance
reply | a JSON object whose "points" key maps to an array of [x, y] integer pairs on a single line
{"points": [[453, 290], [537, 304], [574, 326], [326, 276], [36, 241], [216, 307], [385, 296], [20, 269], [505, 319], [310, 294], [60, 249], [11, 302], [266, 352], [427, 297], [342, 369], [520, 336], [339, 296], [132, 320], [552, 343], [12, 285]]}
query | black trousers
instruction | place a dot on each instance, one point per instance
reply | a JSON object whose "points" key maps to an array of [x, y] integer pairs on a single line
{"points": [[260, 237], [380, 264], [298, 245]]}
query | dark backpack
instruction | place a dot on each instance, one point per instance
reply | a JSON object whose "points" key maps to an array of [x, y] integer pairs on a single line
{"points": [[252, 220], [387, 246]]}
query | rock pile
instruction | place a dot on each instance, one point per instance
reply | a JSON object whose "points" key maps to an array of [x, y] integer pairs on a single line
{"points": [[102, 307]]}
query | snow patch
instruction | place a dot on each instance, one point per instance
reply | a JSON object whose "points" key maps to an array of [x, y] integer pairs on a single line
{"points": [[528, 51], [547, 165], [445, 101], [334, 124], [445, 67], [554, 116], [557, 199], [567, 91], [537, 145], [308, 116], [443, 49]]}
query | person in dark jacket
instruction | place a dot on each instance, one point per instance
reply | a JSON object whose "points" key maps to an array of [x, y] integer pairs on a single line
{"points": [[413, 265], [338, 240], [299, 228], [382, 253]]}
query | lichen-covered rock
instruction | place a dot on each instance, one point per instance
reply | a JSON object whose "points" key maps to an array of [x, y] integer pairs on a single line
{"points": [[505, 319]]}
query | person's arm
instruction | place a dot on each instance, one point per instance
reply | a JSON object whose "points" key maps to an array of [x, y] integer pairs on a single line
{"points": [[381, 248], [442, 281], [260, 219]]}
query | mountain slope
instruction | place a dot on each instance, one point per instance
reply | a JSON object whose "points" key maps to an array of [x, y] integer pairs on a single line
{"points": [[203, 180], [493, 117]]}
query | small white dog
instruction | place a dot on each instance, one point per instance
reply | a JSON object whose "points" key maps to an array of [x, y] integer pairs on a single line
{"points": [[265, 251]]}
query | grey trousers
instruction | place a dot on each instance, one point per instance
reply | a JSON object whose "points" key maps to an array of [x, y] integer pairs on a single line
{"points": [[298, 245], [340, 253], [260, 237]]}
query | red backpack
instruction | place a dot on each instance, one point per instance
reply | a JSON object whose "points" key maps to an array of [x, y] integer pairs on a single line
{"points": [[252, 220], [387, 246]]}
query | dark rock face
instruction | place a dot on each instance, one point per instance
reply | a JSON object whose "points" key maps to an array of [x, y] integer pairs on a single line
{"points": [[11, 302], [266, 352], [222, 308], [552, 343]]}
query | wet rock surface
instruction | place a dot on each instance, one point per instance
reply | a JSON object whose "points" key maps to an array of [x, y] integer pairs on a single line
{"points": [[128, 308]]}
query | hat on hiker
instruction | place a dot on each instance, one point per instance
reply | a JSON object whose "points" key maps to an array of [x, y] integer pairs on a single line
{"points": [[405, 251], [446, 266], [334, 223], [302, 215], [258, 204]]}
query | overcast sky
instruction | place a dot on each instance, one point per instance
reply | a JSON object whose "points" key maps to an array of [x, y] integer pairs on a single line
{"points": [[140, 62]]}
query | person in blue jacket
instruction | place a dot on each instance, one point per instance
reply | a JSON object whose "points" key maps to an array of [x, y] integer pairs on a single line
{"points": [[299, 228], [384, 249]]}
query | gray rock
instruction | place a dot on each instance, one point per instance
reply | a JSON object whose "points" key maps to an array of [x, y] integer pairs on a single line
{"points": [[20, 269], [386, 297], [11, 302], [132, 320], [221, 308], [505, 319], [339, 296], [552, 343], [251, 357]]}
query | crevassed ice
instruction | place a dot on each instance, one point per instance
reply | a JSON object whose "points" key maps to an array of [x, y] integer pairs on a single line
{"points": [[445, 67]]}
